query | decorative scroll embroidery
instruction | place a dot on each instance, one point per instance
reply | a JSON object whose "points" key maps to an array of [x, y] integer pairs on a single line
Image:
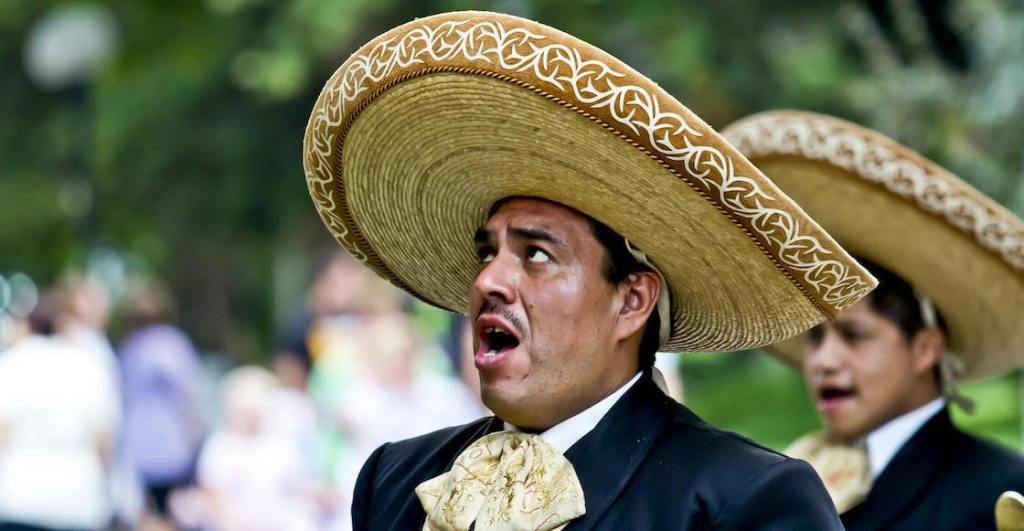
{"points": [[591, 83], [874, 161], [505, 481]]}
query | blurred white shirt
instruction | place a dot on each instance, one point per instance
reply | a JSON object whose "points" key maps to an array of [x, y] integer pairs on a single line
{"points": [[374, 414], [57, 403], [95, 343], [259, 483]]}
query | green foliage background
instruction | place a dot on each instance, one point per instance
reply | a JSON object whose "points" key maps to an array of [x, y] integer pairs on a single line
{"points": [[181, 154]]}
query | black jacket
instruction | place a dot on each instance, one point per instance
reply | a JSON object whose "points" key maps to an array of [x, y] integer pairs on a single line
{"points": [[940, 479], [649, 464]]}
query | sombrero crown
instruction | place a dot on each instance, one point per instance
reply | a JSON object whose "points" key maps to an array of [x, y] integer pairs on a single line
{"points": [[424, 128], [889, 205]]}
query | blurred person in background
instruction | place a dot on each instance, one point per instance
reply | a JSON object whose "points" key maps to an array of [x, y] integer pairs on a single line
{"points": [[343, 299], [330, 336], [252, 475], [336, 296], [58, 422], [395, 397], [949, 306], [316, 357], [163, 426], [83, 318], [293, 418], [295, 415]]}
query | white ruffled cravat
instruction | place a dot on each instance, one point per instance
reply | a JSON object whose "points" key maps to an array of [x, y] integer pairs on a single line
{"points": [[505, 481], [843, 468]]}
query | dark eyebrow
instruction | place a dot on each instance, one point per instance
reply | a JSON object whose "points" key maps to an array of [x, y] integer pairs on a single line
{"points": [[482, 236], [846, 324], [525, 233]]}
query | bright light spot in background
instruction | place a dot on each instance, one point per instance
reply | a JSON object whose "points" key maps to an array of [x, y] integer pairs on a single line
{"points": [[24, 295], [68, 44], [5, 293], [18, 297], [75, 198], [6, 330], [108, 266]]}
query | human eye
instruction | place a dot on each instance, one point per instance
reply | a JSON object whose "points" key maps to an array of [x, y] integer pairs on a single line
{"points": [[852, 335], [816, 335], [536, 255], [485, 254]]}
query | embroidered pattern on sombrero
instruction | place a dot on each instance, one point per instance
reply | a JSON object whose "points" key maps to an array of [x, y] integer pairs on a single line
{"points": [[882, 162], [588, 83]]}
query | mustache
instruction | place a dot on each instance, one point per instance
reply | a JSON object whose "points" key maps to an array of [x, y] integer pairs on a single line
{"points": [[505, 312]]}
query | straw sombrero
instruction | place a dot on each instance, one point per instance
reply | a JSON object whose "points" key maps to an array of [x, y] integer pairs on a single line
{"points": [[887, 204], [425, 127]]}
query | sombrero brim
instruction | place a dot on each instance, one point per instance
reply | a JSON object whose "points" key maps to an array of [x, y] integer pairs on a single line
{"points": [[423, 129], [887, 204]]}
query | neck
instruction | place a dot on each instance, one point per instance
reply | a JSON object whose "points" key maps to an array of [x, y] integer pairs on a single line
{"points": [[915, 401], [543, 420], [920, 396]]}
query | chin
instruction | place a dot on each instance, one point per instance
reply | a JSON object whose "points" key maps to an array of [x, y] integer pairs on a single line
{"points": [[495, 400], [506, 406], [845, 433]]}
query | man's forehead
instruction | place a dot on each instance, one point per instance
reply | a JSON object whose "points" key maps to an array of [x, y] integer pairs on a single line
{"points": [[856, 312], [535, 211]]}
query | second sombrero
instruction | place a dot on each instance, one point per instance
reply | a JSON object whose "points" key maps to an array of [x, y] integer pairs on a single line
{"points": [[887, 204]]}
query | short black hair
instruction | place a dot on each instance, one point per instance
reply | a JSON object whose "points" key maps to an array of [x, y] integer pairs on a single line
{"points": [[618, 264], [897, 300]]}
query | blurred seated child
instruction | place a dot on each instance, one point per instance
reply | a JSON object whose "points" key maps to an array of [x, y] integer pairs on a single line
{"points": [[252, 475]]}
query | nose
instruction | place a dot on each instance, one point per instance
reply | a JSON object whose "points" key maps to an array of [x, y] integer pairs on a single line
{"points": [[498, 280], [825, 356]]}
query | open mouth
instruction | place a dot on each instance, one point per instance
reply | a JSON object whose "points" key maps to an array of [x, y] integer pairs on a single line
{"points": [[834, 393], [831, 396], [497, 339]]}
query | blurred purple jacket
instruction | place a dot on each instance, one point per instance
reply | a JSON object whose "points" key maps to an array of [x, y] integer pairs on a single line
{"points": [[162, 423]]}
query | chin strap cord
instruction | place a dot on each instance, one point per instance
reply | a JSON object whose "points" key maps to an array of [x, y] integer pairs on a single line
{"points": [[951, 367]]}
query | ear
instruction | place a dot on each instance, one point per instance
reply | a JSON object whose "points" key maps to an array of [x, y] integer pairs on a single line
{"points": [[927, 349], [639, 294]]}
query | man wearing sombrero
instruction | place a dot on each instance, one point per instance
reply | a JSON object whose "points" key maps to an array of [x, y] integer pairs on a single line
{"points": [[583, 219], [949, 305]]}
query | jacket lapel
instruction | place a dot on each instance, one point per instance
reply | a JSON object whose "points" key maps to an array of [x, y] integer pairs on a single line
{"points": [[606, 458], [906, 476], [489, 426]]}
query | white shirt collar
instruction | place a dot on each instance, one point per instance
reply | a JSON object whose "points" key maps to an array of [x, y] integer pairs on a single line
{"points": [[884, 442], [565, 434]]}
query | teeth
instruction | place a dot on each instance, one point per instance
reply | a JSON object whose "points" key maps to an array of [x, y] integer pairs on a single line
{"points": [[496, 333]]}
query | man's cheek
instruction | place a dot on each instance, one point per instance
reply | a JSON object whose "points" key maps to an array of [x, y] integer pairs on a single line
{"points": [[521, 365]]}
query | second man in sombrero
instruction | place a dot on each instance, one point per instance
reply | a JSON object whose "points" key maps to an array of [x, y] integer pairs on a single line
{"points": [[949, 305], [583, 219]]}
